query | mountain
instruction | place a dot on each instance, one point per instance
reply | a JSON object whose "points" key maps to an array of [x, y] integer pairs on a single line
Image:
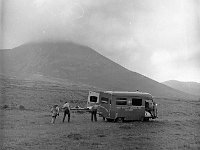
{"points": [[77, 63], [187, 87]]}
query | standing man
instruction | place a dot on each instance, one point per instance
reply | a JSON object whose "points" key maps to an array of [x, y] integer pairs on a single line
{"points": [[94, 112], [66, 110]]}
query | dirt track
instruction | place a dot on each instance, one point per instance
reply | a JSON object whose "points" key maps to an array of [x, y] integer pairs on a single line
{"points": [[178, 127]]}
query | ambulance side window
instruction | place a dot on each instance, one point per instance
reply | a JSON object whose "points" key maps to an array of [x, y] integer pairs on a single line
{"points": [[93, 99], [121, 101], [136, 101], [104, 100]]}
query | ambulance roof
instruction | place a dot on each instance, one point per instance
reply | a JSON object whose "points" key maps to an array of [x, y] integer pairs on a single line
{"points": [[127, 93]]}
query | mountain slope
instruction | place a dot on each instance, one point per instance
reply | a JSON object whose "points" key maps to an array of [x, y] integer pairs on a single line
{"points": [[66, 60], [187, 87]]}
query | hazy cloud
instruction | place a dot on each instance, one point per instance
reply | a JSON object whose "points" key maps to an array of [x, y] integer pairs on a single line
{"points": [[159, 39]]}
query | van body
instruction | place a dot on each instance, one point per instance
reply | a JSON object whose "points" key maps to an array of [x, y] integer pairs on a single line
{"points": [[120, 105]]}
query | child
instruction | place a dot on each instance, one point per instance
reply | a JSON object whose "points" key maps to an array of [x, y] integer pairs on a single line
{"points": [[54, 113]]}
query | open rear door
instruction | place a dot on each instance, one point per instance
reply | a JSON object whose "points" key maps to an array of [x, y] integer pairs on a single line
{"points": [[93, 98]]}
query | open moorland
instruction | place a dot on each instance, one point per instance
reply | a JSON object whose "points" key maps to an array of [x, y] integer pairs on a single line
{"points": [[25, 122]]}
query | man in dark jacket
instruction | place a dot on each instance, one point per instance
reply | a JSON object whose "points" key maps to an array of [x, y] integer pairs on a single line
{"points": [[94, 112], [66, 110]]}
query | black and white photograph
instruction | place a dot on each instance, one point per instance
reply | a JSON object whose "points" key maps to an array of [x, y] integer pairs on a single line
{"points": [[99, 75]]}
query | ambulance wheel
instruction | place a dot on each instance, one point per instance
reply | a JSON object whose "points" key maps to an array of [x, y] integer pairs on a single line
{"points": [[104, 118], [108, 119], [120, 120], [146, 119], [142, 119]]}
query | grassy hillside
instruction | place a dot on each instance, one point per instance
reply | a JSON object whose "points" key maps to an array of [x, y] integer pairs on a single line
{"points": [[187, 87], [177, 125], [39, 95], [68, 61]]}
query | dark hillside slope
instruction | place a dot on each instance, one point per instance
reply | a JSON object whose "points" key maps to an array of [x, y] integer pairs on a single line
{"points": [[66, 60]]}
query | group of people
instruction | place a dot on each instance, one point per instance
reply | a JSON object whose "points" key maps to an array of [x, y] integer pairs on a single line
{"points": [[55, 111]]}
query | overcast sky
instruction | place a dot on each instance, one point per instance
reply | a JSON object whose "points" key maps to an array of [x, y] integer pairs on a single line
{"points": [[156, 38]]}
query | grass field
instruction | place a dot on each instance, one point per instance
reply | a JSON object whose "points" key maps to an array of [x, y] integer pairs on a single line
{"points": [[29, 128]]}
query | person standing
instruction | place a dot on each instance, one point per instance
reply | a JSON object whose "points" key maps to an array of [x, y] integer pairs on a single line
{"points": [[54, 113], [66, 109], [94, 112]]}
